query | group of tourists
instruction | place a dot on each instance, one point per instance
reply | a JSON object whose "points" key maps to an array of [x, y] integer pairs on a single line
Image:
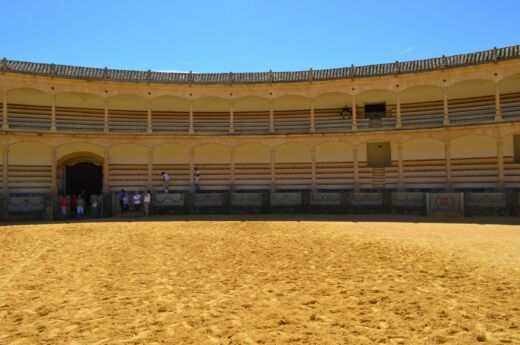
{"points": [[141, 204], [74, 207], [166, 179]]}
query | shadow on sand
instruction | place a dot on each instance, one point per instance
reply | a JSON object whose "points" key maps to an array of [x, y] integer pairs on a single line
{"points": [[379, 218]]}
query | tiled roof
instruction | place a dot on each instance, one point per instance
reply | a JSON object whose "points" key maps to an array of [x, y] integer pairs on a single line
{"points": [[74, 72]]}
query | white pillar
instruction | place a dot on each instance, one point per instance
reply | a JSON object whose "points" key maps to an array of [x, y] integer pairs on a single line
{"points": [[106, 166], [498, 113], [54, 161], [400, 170], [192, 170], [356, 168], [446, 117], [500, 164], [231, 119], [149, 118], [105, 124], [53, 114], [271, 117], [149, 183], [232, 168], [398, 123], [5, 119], [190, 129], [312, 126], [273, 172], [354, 113], [447, 153], [313, 169]]}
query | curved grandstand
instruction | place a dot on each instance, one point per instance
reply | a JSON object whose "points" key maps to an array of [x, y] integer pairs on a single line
{"points": [[374, 135]]}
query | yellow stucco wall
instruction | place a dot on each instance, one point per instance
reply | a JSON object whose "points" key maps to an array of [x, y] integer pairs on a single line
{"points": [[334, 152], [28, 153], [292, 153], [423, 149], [128, 154], [211, 154], [171, 154], [252, 153], [473, 146]]}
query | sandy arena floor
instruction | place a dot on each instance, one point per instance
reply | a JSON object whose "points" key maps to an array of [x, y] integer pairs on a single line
{"points": [[260, 282]]}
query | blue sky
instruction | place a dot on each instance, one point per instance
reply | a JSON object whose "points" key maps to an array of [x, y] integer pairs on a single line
{"points": [[250, 35]]}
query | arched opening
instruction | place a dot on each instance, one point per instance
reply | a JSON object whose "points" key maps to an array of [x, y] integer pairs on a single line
{"points": [[83, 177], [332, 112], [82, 173], [376, 109]]}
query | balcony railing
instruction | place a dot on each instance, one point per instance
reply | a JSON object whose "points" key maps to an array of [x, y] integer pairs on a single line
{"points": [[28, 122], [333, 127], [422, 121], [292, 127], [80, 126], [472, 116], [254, 128]]}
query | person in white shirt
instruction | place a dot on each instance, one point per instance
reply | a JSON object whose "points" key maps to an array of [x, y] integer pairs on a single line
{"points": [[196, 176], [147, 199], [137, 202], [166, 178]]}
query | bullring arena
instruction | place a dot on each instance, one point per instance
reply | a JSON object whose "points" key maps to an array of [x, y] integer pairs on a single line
{"points": [[361, 205]]}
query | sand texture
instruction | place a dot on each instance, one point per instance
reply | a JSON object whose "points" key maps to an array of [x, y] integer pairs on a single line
{"points": [[360, 281]]}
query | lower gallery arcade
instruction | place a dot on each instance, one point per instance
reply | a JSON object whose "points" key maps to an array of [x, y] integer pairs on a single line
{"points": [[465, 160]]}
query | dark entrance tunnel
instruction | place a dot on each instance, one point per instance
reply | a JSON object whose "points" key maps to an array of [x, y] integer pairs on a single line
{"points": [[83, 176]]}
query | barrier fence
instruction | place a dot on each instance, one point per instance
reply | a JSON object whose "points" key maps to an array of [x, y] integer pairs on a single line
{"points": [[43, 206]]}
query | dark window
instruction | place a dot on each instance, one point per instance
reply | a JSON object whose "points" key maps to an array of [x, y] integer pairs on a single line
{"points": [[375, 111]]}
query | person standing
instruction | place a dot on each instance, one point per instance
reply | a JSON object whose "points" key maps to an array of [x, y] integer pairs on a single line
{"points": [[63, 204], [196, 176], [94, 206], [80, 206], [137, 203], [125, 203], [146, 202], [72, 205], [166, 179], [121, 200]]}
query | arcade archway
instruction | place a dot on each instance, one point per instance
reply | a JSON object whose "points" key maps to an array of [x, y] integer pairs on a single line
{"points": [[81, 173]]}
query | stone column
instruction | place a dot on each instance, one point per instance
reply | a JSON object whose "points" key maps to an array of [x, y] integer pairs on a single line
{"points": [[232, 168], [190, 128], [354, 113], [312, 126], [356, 168], [400, 170], [231, 119], [192, 170], [273, 172], [500, 164], [498, 113], [398, 123], [447, 153], [446, 117], [5, 120], [313, 169], [149, 127], [271, 117], [54, 161], [53, 114], [106, 179], [149, 183], [105, 124]]}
